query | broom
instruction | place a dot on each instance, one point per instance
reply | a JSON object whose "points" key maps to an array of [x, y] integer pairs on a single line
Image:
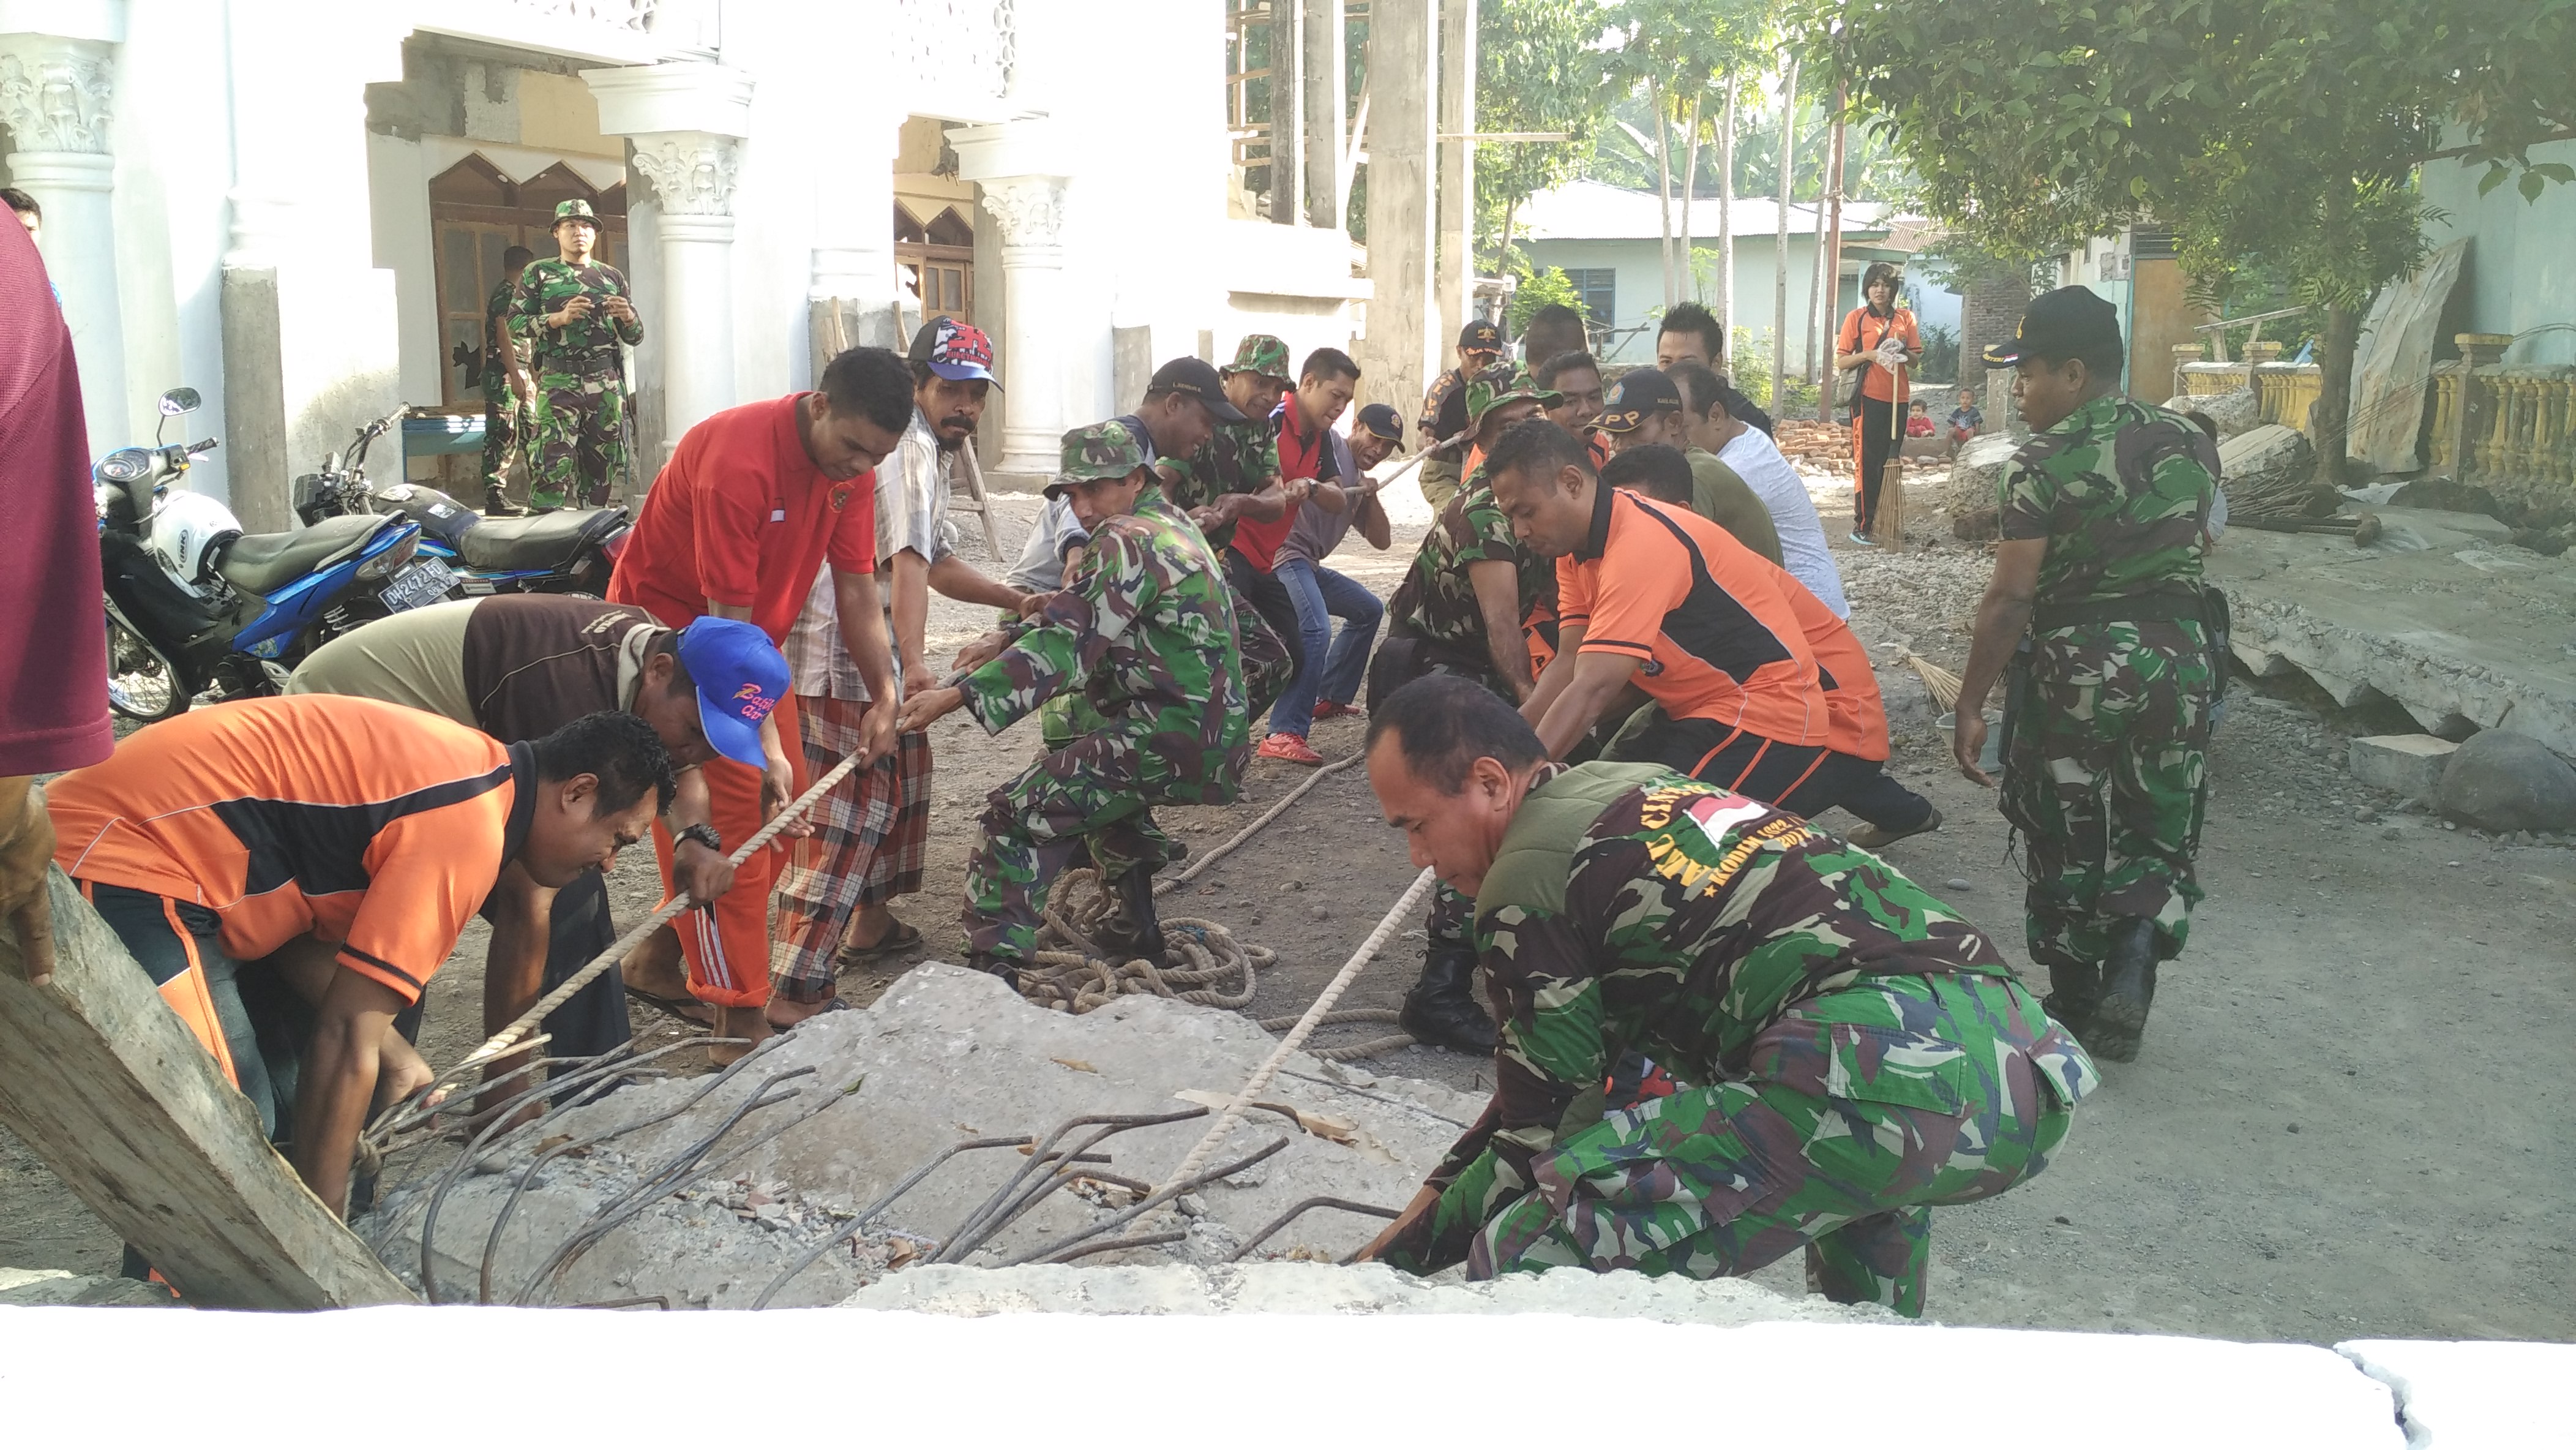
{"points": [[1942, 685], [1888, 526]]}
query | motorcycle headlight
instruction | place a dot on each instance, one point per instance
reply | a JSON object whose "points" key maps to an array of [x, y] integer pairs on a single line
{"points": [[125, 465], [383, 565]]}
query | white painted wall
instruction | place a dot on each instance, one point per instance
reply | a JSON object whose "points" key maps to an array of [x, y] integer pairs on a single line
{"points": [[398, 173], [1640, 298], [2520, 278]]}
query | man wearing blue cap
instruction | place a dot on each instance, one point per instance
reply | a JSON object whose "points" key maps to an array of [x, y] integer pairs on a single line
{"points": [[519, 666]]}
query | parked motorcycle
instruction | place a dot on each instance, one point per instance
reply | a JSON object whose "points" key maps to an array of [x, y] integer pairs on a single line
{"points": [[565, 551], [196, 605]]}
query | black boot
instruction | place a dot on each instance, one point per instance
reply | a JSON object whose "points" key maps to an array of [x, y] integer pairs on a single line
{"points": [[2073, 993], [497, 505], [991, 965], [2128, 990], [1132, 929], [1441, 1010]]}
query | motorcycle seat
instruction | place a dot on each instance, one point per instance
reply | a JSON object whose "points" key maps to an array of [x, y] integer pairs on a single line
{"points": [[539, 541], [266, 563]]}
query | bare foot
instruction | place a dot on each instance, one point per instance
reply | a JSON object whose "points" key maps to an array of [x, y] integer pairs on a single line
{"points": [[868, 929], [784, 1014], [749, 1022], [656, 966]]}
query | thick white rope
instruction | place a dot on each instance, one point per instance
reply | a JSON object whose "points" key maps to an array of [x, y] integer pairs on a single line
{"points": [[509, 1037], [1253, 1087]]}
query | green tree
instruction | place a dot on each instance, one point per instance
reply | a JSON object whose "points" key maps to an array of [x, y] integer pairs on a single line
{"points": [[1536, 71], [1675, 50], [2269, 134], [1539, 289]]}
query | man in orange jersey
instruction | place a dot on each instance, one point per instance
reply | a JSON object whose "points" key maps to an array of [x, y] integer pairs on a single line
{"points": [[312, 859], [752, 504], [1662, 598]]}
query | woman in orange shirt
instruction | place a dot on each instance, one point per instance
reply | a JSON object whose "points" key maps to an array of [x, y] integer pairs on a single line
{"points": [[1873, 334]]}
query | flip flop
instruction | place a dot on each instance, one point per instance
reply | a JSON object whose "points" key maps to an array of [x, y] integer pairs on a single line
{"points": [[829, 1007], [902, 938], [684, 1008]]}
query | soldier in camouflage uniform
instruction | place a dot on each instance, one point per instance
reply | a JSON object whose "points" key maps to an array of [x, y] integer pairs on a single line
{"points": [[1446, 412], [1234, 475], [1847, 1051], [1450, 616], [2106, 717], [575, 311], [1145, 628], [508, 422]]}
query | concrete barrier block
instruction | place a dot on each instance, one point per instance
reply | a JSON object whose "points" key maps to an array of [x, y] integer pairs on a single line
{"points": [[2471, 1395], [2410, 765]]}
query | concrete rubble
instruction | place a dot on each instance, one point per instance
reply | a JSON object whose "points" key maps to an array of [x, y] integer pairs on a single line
{"points": [[944, 1056], [2235, 411], [1360, 1289], [2503, 781]]}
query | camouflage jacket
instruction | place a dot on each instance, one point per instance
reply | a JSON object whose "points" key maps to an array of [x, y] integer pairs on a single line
{"points": [[2119, 490], [1683, 922], [1240, 458], [1146, 627], [501, 330], [1444, 412], [1438, 600], [588, 348]]}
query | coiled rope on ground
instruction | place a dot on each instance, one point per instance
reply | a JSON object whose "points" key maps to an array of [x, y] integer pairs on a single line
{"points": [[1205, 962]]}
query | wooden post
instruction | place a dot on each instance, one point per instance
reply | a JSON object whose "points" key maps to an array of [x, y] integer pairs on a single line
{"points": [[104, 1083]]}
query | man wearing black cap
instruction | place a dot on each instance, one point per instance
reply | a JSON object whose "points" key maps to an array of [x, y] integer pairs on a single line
{"points": [[2106, 718], [1444, 413], [1232, 482]]}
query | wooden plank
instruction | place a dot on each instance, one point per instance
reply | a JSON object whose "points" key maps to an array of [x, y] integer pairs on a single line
{"points": [[104, 1083]]}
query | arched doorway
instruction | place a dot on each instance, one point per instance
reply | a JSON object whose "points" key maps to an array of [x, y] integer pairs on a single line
{"points": [[939, 259], [476, 213]]}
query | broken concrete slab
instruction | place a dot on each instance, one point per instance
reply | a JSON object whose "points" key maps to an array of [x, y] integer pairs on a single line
{"points": [[1976, 471], [945, 1055], [2235, 411], [2410, 765], [2504, 781], [2466, 1395], [1357, 1289], [60, 1288], [2441, 637]]}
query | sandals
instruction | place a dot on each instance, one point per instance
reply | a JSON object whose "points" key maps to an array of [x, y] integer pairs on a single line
{"points": [[903, 938]]}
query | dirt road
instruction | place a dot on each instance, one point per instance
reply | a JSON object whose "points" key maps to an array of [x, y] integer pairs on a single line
{"points": [[2344, 1122]]}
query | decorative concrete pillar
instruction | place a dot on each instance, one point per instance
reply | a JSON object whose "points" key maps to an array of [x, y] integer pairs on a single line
{"points": [[1029, 210], [54, 98], [692, 174], [686, 121]]}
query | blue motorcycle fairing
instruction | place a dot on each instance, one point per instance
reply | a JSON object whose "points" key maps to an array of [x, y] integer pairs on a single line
{"points": [[293, 609]]}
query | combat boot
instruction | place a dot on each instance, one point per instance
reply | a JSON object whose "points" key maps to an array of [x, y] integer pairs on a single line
{"points": [[2073, 992], [1132, 929], [2128, 990], [996, 966], [1441, 1010], [497, 505]]}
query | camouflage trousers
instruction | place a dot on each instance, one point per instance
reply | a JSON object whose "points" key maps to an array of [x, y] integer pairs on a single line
{"points": [[579, 445], [507, 424], [2106, 779], [1859, 1112], [1099, 792]]}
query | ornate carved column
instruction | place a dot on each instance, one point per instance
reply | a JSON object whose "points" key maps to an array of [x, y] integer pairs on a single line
{"points": [[54, 98], [1030, 212], [692, 175], [686, 121]]}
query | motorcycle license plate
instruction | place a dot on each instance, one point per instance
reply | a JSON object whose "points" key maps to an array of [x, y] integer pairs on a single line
{"points": [[423, 581]]}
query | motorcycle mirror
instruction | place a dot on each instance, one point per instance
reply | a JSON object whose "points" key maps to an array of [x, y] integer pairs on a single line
{"points": [[180, 400]]}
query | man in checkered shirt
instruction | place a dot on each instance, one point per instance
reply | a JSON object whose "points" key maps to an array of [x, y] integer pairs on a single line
{"points": [[868, 839]]}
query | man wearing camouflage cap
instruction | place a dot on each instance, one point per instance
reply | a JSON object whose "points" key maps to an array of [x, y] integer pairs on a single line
{"points": [[1233, 478], [1145, 628], [1467, 607], [575, 311], [1445, 413], [2106, 718]]}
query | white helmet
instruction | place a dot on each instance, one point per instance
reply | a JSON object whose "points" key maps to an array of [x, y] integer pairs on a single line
{"points": [[190, 532]]}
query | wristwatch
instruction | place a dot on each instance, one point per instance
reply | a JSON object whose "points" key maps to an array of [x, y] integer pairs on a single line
{"points": [[704, 834]]}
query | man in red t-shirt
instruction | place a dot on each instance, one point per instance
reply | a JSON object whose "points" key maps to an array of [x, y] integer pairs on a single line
{"points": [[752, 503], [54, 652]]}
